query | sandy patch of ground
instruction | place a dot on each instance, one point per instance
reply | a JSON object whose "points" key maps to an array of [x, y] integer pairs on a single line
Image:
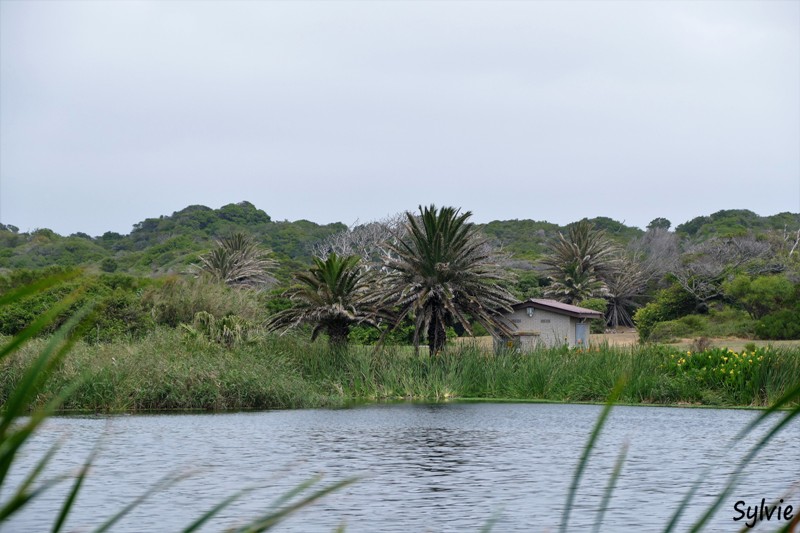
{"points": [[629, 337], [620, 337]]}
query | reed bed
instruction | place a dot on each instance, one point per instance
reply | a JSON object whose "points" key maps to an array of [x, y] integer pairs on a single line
{"points": [[170, 371]]}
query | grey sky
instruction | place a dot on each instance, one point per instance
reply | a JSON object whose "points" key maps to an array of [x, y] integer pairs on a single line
{"points": [[111, 112]]}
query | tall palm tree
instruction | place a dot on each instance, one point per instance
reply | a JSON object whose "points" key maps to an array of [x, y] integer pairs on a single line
{"points": [[331, 295], [576, 264], [238, 261], [442, 271]]}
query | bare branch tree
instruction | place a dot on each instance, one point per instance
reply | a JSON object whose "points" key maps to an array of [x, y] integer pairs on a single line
{"points": [[657, 252], [792, 239], [706, 265], [372, 241]]}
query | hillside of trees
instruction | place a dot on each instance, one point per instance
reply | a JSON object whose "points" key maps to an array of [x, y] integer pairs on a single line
{"points": [[729, 273], [170, 243]]}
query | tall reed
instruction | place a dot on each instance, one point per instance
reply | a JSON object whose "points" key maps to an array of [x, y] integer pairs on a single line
{"points": [[168, 370]]}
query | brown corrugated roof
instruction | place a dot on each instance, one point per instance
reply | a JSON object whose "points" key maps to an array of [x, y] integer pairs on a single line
{"points": [[558, 307]]}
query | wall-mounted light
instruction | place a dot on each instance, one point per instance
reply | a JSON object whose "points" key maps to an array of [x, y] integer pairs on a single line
{"points": [[530, 311]]}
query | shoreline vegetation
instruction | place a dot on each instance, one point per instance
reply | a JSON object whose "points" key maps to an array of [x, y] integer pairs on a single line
{"points": [[168, 370]]}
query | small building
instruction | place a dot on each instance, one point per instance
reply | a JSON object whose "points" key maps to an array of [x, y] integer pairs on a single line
{"points": [[540, 323]]}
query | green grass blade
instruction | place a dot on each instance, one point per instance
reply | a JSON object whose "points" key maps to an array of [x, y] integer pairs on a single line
{"points": [[791, 395], [73, 494], [740, 467], [164, 483], [215, 510], [44, 320], [489, 524], [686, 499], [17, 503], [576, 477], [29, 385], [274, 517], [784, 400], [612, 484], [295, 491], [36, 287], [23, 495]]}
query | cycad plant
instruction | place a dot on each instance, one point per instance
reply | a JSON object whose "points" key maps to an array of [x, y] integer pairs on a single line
{"points": [[238, 261], [571, 284], [444, 272], [623, 287], [576, 264], [331, 296]]}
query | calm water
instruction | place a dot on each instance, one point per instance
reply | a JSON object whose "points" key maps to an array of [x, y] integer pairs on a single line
{"points": [[443, 467]]}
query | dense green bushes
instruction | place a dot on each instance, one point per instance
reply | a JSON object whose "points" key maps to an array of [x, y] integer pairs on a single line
{"points": [[119, 309], [780, 325], [668, 304]]}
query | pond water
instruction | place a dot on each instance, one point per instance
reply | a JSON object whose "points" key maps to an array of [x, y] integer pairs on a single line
{"points": [[442, 467]]}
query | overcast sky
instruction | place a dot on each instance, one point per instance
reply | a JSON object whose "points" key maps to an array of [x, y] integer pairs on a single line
{"points": [[112, 112]]}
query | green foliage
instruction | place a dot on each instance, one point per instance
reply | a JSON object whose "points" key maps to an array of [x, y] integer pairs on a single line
{"points": [[745, 375], [165, 244], [670, 331], [614, 230], [669, 304], [780, 325], [735, 222], [18, 425], [659, 223], [108, 265], [402, 335], [228, 331], [119, 311], [529, 285], [762, 295], [176, 300], [525, 239], [596, 325]]}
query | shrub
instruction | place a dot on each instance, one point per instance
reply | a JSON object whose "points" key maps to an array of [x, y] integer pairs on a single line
{"points": [[177, 300], [669, 331], [762, 295], [118, 311], [780, 325], [670, 303], [701, 344]]}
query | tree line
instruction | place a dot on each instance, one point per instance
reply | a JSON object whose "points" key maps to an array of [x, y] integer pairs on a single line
{"points": [[433, 273]]}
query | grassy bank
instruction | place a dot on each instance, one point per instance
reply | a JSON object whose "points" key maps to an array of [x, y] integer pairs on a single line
{"points": [[168, 371]]}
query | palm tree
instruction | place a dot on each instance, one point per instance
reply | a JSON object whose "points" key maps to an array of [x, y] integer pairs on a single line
{"points": [[623, 287], [238, 261], [331, 295], [443, 272], [576, 264], [571, 284]]}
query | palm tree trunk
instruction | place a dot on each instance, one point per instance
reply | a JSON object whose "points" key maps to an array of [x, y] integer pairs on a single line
{"points": [[338, 334], [437, 336]]}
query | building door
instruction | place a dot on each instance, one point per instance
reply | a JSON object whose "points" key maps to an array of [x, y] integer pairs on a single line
{"points": [[582, 334]]}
